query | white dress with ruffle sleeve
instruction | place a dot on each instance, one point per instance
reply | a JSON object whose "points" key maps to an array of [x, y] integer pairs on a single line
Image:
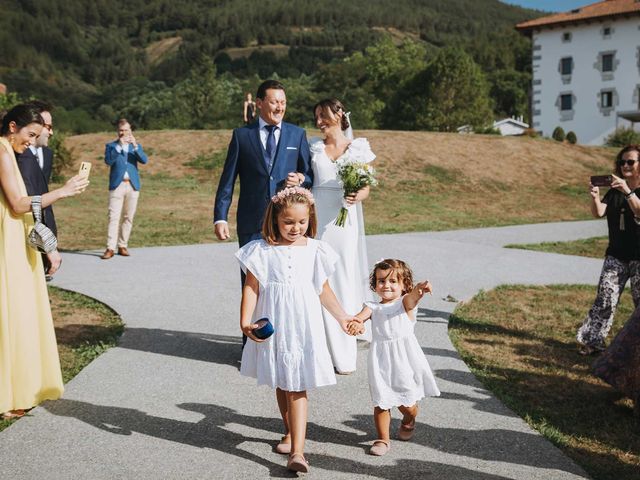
{"points": [[351, 279], [295, 357], [399, 373]]}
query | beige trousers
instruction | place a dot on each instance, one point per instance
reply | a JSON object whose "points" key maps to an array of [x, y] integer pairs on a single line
{"points": [[122, 208]]}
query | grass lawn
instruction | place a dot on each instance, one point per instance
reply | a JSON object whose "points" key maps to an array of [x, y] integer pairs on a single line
{"points": [[589, 247], [428, 181], [84, 328], [520, 342]]}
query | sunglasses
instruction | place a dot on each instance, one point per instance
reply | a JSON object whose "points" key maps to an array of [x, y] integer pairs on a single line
{"points": [[629, 163]]}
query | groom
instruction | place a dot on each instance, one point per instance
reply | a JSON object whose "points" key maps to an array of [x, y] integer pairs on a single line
{"points": [[267, 155]]}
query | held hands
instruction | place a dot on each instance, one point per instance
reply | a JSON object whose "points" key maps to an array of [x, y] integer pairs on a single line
{"points": [[355, 327], [74, 186], [294, 179]]}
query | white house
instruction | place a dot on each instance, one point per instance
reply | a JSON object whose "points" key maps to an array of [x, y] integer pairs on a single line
{"points": [[586, 69], [510, 126]]}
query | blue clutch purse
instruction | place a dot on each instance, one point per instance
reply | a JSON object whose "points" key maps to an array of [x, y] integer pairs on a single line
{"points": [[264, 330]]}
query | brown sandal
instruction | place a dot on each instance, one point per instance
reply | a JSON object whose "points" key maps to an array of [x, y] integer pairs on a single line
{"points": [[13, 414], [297, 463], [379, 448]]}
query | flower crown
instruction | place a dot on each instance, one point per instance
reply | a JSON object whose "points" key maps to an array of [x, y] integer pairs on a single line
{"points": [[287, 192]]}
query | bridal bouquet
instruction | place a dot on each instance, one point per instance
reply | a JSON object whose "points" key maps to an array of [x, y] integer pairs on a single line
{"points": [[353, 175]]}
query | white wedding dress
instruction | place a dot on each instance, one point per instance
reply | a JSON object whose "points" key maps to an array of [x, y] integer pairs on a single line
{"points": [[350, 281]]}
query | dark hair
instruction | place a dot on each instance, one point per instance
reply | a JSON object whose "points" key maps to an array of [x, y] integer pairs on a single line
{"points": [[122, 121], [332, 105], [405, 275], [628, 148], [41, 105], [268, 85], [23, 115], [270, 230]]}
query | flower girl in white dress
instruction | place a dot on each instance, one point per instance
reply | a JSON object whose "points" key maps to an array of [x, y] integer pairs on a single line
{"points": [[399, 374], [351, 276], [286, 282]]}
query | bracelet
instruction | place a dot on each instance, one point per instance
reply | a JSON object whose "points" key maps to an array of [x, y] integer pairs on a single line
{"points": [[630, 194]]}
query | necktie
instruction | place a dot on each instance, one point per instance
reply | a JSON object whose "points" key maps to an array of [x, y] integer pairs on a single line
{"points": [[271, 141]]}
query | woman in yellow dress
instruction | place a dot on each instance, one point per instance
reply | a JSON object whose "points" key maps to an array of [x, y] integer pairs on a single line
{"points": [[29, 364]]}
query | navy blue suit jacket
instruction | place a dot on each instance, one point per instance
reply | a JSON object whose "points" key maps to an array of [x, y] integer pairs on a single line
{"points": [[36, 180], [246, 158]]}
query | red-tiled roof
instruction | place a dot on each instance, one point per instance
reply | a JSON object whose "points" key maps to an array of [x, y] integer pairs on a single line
{"points": [[607, 8]]}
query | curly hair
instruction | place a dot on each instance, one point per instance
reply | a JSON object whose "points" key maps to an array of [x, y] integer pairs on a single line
{"points": [[400, 268], [270, 230]]}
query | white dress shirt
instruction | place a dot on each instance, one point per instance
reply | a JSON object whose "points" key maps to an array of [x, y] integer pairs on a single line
{"points": [[37, 151]]}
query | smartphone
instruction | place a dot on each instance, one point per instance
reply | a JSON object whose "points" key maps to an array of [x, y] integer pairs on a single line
{"points": [[85, 169], [601, 180]]}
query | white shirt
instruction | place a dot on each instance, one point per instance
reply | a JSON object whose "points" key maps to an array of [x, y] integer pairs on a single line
{"points": [[123, 148], [264, 133], [37, 151]]}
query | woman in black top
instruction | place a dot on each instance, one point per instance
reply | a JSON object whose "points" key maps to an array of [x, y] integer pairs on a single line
{"points": [[621, 205], [249, 109]]}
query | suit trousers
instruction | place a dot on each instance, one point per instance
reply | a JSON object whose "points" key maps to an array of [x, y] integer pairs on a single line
{"points": [[123, 202]]}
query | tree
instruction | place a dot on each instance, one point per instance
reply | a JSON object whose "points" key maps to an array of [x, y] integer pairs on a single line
{"points": [[451, 92]]}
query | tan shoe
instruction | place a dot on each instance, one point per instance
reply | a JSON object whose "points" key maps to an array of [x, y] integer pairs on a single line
{"points": [[379, 448], [283, 447], [123, 251], [297, 463], [108, 253]]}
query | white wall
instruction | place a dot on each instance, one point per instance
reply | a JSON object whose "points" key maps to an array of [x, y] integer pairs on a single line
{"points": [[589, 123]]}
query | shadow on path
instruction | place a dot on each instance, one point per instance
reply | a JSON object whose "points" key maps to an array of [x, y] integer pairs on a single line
{"points": [[205, 347]]}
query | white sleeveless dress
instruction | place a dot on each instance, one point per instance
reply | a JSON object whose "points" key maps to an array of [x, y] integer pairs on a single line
{"points": [[399, 373], [351, 277]]}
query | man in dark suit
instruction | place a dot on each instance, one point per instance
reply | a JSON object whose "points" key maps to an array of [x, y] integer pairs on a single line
{"points": [[36, 164], [267, 155]]}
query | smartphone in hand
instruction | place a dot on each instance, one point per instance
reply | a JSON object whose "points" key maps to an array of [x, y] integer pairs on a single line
{"points": [[85, 169], [601, 180]]}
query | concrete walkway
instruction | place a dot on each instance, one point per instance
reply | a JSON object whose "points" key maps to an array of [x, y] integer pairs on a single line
{"points": [[169, 403]]}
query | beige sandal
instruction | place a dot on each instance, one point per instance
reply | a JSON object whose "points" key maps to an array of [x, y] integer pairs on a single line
{"points": [[297, 463], [379, 448], [283, 447], [405, 432]]}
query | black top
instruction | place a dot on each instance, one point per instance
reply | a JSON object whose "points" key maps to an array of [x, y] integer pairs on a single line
{"points": [[624, 235]]}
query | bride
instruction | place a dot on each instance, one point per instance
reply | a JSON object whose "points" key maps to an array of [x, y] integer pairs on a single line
{"points": [[350, 280]]}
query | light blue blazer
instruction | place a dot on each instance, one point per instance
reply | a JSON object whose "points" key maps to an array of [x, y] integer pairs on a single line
{"points": [[121, 161]]}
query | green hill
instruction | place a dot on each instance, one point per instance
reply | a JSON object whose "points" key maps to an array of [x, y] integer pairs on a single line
{"points": [[93, 58]]}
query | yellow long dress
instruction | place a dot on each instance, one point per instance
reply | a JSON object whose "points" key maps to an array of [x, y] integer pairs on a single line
{"points": [[29, 364]]}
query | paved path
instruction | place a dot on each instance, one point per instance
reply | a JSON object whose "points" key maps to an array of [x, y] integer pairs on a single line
{"points": [[169, 403]]}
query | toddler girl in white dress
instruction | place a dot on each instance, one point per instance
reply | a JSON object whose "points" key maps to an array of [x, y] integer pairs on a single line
{"points": [[287, 273], [399, 374]]}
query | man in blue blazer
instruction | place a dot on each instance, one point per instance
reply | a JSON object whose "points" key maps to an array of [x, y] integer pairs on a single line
{"points": [[36, 164], [123, 156], [267, 155]]}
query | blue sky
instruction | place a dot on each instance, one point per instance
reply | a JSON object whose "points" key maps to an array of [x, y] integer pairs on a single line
{"points": [[551, 5]]}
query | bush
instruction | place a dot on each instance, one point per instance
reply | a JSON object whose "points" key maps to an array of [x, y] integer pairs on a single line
{"points": [[558, 134], [62, 156], [572, 138], [530, 132], [622, 137]]}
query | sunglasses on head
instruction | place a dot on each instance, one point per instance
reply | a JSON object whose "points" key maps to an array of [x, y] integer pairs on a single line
{"points": [[629, 163]]}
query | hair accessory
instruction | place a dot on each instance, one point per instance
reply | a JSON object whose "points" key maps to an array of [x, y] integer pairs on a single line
{"points": [[287, 192]]}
